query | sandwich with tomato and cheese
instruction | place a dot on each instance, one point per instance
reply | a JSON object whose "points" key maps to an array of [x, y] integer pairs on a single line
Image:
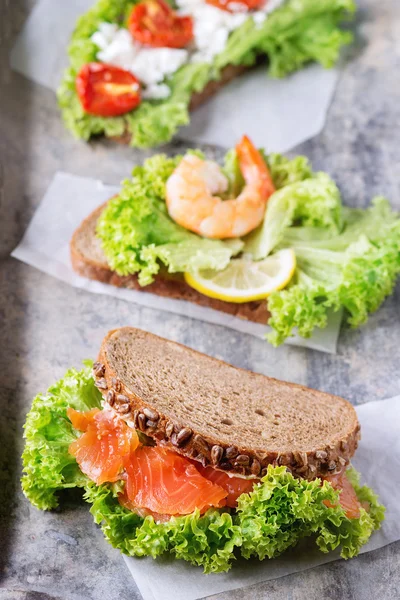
{"points": [[138, 66], [181, 453]]}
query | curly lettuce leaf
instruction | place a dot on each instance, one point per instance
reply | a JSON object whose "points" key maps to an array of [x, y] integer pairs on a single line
{"points": [[47, 466], [314, 201], [298, 32], [356, 269], [206, 541], [275, 516], [279, 512], [138, 235]]}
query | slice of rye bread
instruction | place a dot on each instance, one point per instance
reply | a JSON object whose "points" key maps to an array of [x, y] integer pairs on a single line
{"points": [[220, 415], [227, 74], [88, 260]]}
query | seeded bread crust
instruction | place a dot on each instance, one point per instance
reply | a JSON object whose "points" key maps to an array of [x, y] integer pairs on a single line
{"points": [[317, 456], [88, 260], [227, 74]]}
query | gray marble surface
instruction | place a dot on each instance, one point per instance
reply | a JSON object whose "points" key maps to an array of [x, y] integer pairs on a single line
{"points": [[47, 326]]}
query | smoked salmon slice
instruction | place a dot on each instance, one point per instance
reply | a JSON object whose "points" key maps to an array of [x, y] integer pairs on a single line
{"points": [[235, 486], [347, 496], [106, 441], [166, 483], [80, 420]]}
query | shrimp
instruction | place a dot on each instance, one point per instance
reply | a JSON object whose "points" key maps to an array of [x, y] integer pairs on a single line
{"points": [[192, 204]]}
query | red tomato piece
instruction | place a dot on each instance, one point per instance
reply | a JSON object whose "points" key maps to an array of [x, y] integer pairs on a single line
{"points": [[247, 4], [154, 23], [107, 91]]}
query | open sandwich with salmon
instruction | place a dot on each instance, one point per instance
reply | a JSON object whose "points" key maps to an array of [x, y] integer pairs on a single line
{"points": [[260, 236], [138, 66], [181, 453]]}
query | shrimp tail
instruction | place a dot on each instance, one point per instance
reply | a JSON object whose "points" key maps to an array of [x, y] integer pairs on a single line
{"points": [[253, 167]]}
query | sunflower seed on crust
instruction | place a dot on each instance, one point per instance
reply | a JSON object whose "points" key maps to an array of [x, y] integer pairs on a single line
{"points": [[98, 369], [141, 421], [231, 452], [183, 436], [242, 460], [116, 384], [321, 455], [122, 408], [169, 429], [101, 384], [255, 467], [200, 444], [151, 414], [111, 397], [122, 398], [216, 454]]}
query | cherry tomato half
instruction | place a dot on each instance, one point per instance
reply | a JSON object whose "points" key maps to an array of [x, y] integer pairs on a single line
{"points": [[247, 4], [107, 91], [154, 23]]}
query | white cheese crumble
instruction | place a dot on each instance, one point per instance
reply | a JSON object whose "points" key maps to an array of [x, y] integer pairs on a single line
{"points": [[213, 25], [149, 65], [211, 28]]}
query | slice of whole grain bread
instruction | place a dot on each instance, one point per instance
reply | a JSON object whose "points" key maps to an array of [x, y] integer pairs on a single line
{"points": [[88, 260], [215, 413]]}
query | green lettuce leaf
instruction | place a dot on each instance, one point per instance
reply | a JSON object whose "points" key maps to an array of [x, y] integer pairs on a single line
{"points": [[298, 32], [281, 510], [206, 541], [276, 515], [47, 466], [314, 201], [355, 269], [138, 235]]}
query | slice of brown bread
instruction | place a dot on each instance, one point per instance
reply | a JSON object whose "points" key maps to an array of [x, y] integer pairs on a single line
{"points": [[215, 413], [227, 74], [88, 260]]}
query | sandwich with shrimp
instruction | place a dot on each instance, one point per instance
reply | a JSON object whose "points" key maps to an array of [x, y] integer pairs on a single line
{"points": [[138, 66], [184, 454], [260, 236]]}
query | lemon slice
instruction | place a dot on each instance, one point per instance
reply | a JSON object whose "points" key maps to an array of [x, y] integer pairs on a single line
{"points": [[245, 280]]}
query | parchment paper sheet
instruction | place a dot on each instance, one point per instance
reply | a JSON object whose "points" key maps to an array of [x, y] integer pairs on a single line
{"points": [[45, 246], [276, 114], [378, 461]]}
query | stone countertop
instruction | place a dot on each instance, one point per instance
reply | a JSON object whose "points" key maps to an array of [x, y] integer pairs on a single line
{"points": [[47, 326]]}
